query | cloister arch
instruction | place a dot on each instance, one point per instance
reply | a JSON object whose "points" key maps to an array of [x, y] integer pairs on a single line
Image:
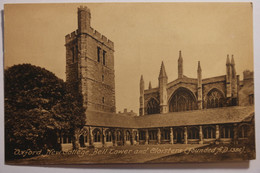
{"points": [[97, 135]]}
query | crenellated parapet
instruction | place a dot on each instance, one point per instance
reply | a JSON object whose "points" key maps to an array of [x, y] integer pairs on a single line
{"points": [[70, 37], [101, 38], [248, 75], [92, 33], [128, 113]]}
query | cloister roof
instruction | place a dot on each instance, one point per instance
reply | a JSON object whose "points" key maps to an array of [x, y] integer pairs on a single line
{"points": [[196, 117]]}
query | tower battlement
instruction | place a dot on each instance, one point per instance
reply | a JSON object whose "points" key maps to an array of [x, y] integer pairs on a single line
{"points": [[93, 33], [248, 74], [70, 37], [83, 8]]}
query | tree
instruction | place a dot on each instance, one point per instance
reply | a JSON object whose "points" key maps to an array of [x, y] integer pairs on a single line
{"points": [[37, 108]]}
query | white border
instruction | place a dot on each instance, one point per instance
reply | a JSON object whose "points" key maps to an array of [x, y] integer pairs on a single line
{"points": [[240, 167]]}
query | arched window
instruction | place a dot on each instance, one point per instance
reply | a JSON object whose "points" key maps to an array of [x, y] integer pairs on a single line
{"points": [[108, 136], [86, 138], [182, 100], [153, 107], [193, 133], [243, 131], [209, 133], [135, 135], [119, 136], [215, 99], [152, 134], [127, 135], [81, 141], [141, 135], [165, 134], [227, 132], [178, 134], [97, 135]]}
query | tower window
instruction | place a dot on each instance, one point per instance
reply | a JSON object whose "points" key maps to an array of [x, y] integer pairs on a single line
{"points": [[103, 78], [72, 55], [104, 57], [76, 53], [103, 100], [98, 54]]}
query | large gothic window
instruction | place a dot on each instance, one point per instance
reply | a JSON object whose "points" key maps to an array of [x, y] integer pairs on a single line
{"points": [[182, 100], [153, 107], [215, 99]]}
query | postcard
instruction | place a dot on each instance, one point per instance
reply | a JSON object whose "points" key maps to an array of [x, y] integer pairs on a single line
{"points": [[104, 83]]}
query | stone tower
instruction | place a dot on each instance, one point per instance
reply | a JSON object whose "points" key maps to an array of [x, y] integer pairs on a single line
{"points": [[163, 80], [90, 65]]}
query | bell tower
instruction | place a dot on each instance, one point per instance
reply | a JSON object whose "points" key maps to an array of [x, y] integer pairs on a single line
{"points": [[90, 65]]}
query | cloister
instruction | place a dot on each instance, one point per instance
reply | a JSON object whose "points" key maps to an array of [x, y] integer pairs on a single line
{"points": [[103, 136]]}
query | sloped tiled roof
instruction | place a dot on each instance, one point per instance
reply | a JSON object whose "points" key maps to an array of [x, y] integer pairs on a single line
{"points": [[197, 117]]}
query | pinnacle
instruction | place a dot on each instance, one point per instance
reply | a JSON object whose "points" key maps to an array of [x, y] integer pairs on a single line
{"points": [[199, 68], [162, 71], [150, 85], [232, 60], [180, 56], [228, 61], [142, 79]]}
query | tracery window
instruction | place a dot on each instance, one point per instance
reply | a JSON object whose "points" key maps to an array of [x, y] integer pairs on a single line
{"points": [[165, 134], [119, 136], [243, 131], [108, 136], [215, 99], [153, 107], [97, 135], [141, 135], [127, 135], [182, 100], [227, 132], [152, 134], [209, 133], [193, 133]]}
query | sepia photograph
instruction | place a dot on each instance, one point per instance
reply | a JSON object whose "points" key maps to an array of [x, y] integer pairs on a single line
{"points": [[106, 83]]}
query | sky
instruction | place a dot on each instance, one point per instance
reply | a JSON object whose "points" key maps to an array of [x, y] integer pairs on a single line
{"points": [[144, 35]]}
